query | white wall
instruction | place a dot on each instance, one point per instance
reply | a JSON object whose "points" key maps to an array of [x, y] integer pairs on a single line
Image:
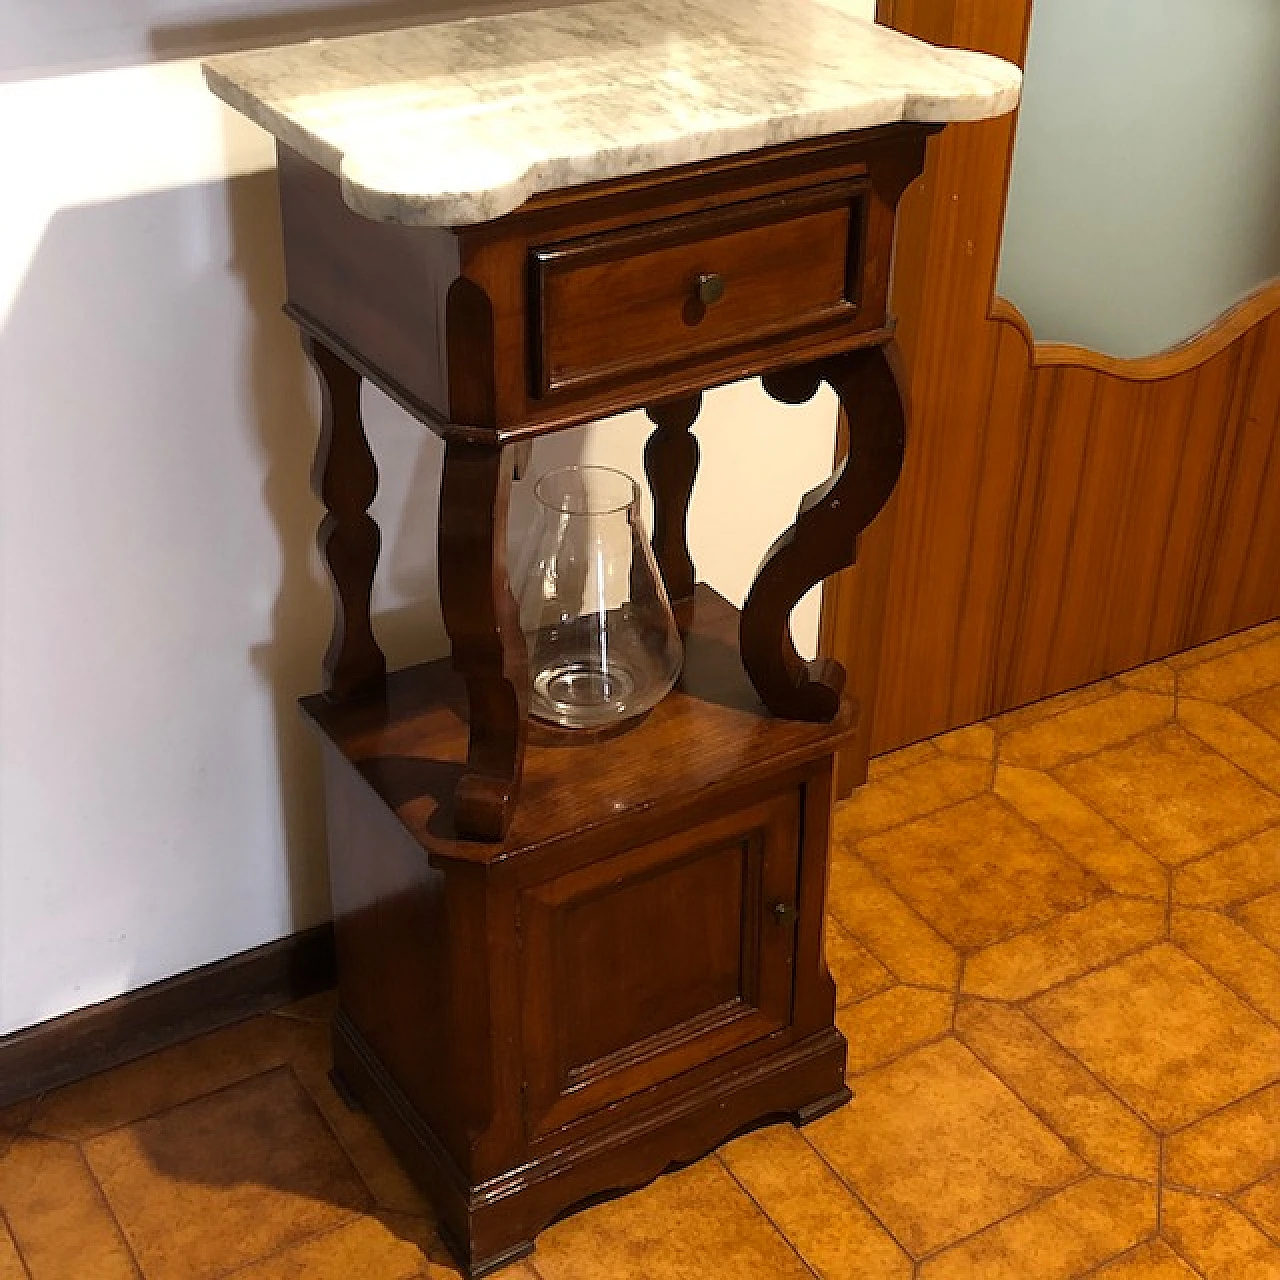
{"points": [[1145, 196], [161, 607]]}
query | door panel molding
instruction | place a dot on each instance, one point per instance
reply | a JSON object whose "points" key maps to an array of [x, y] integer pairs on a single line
{"points": [[1063, 514]]}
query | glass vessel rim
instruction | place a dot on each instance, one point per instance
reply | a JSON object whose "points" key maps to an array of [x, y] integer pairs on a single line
{"points": [[624, 496]]}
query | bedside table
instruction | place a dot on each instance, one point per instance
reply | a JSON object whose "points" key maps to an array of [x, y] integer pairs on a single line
{"points": [[565, 967]]}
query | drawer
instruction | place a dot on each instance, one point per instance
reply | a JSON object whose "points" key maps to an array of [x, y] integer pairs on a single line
{"points": [[669, 293], [656, 960]]}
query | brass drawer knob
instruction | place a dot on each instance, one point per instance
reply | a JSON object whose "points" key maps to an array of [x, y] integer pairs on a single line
{"points": [[784, 912], [710, 288]]}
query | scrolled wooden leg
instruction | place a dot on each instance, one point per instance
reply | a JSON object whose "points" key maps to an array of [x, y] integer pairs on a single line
{"points": [[345, 479], [671, 462], [483, 622], [824, 538]]}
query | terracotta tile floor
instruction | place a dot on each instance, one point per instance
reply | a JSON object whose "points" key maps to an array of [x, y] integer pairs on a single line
{"points": [[1056, 938]]}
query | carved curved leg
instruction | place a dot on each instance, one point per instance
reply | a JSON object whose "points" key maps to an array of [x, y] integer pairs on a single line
{"points": [[671, 463], [823, 539], [345, 479], [483, 622]]}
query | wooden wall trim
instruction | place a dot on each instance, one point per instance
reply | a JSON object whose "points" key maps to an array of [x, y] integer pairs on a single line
{"points": [[105, 1035], [1063, 515], [1251, 311]]}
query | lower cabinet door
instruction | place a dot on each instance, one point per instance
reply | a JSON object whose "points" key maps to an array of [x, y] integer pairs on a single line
{"points": [[654, 960]]}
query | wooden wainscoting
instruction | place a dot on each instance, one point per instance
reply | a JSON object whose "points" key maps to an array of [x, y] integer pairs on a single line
{"points": [[1063, 515]]}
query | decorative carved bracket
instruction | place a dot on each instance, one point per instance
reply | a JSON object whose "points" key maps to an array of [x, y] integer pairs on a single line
{"points": [[345, 479], [824, 538]]}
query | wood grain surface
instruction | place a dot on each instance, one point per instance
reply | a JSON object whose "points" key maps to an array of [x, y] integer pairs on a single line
{"points": [[1062, 515]]}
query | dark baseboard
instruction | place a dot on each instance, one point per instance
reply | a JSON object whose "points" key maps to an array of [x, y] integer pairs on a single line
{"points": [[104, 1035]]}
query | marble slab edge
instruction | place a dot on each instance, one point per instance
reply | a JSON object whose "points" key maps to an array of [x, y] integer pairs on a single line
{"points": [[465, 181]]}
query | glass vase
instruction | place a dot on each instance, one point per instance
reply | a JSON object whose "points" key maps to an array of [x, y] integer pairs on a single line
{"points": [[603, 643]]}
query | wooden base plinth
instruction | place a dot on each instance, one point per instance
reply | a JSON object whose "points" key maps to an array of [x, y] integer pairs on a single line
{"points": [[491, 1225], [634, 975]]}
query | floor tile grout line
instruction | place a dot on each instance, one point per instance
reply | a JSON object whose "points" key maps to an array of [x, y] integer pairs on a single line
{"points": [[767, 1216], [902, 768], [1226, 1106], [1218, 847], [896, 986], [859, 1198], [1248, 927], [105, 1200], [850, 842], [1270, 787], [1267, 1233], [1161, 1157], [1245, 999], [1100, 967], [1235, 706], [888, 888], [159, 1111], [1047, 833], [350, 1214], [1042, 1198], [1108, 889], [1131, 1252], [878, 958], [1235, 649], [899, 1055], [17, 1248], [1079, 974], [1025, 1006], [1182, 1257], [1036, 713], [310, 1237], [829, 920], [1052, 1126], [318, 1110], [1112, 744], [1186, 1189]]}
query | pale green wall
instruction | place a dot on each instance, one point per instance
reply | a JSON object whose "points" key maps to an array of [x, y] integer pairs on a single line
{"points": [[1146, 181]]}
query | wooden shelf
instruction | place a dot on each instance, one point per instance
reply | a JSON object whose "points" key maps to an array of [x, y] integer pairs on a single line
{"points": [[712, 731]]}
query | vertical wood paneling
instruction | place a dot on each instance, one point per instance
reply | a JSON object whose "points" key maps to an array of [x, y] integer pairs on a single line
{"points": [[957, 246], [1190, 509], [1260, 555], [1162, 428], [1062, 515]]}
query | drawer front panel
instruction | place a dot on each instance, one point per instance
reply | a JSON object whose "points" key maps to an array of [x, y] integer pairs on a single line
{"points": [[606, 307], [645, 964]]}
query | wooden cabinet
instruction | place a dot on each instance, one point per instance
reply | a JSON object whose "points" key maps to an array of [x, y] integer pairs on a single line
{"points": [[632, 976], [564, 967], [640, 965], [670, 293]]}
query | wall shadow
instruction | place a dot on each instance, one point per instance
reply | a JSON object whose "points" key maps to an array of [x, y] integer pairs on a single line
{"points": [[283, 418], [40, 38]]}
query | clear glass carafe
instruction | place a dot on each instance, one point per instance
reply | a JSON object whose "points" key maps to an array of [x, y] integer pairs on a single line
{"points": [[603, 643]]}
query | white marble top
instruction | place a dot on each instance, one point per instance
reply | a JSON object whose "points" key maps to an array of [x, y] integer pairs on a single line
{"points": [[460, 122]]}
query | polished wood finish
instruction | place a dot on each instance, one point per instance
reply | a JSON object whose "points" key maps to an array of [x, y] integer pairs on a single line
{"points": [[823, 539], [690, 744], [632, 975], [567, 961], [1062, 515], [384, 296], [483, 622], [66, 1049], [345, 479], [614, 296], [671, 457], [629, 301]]}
